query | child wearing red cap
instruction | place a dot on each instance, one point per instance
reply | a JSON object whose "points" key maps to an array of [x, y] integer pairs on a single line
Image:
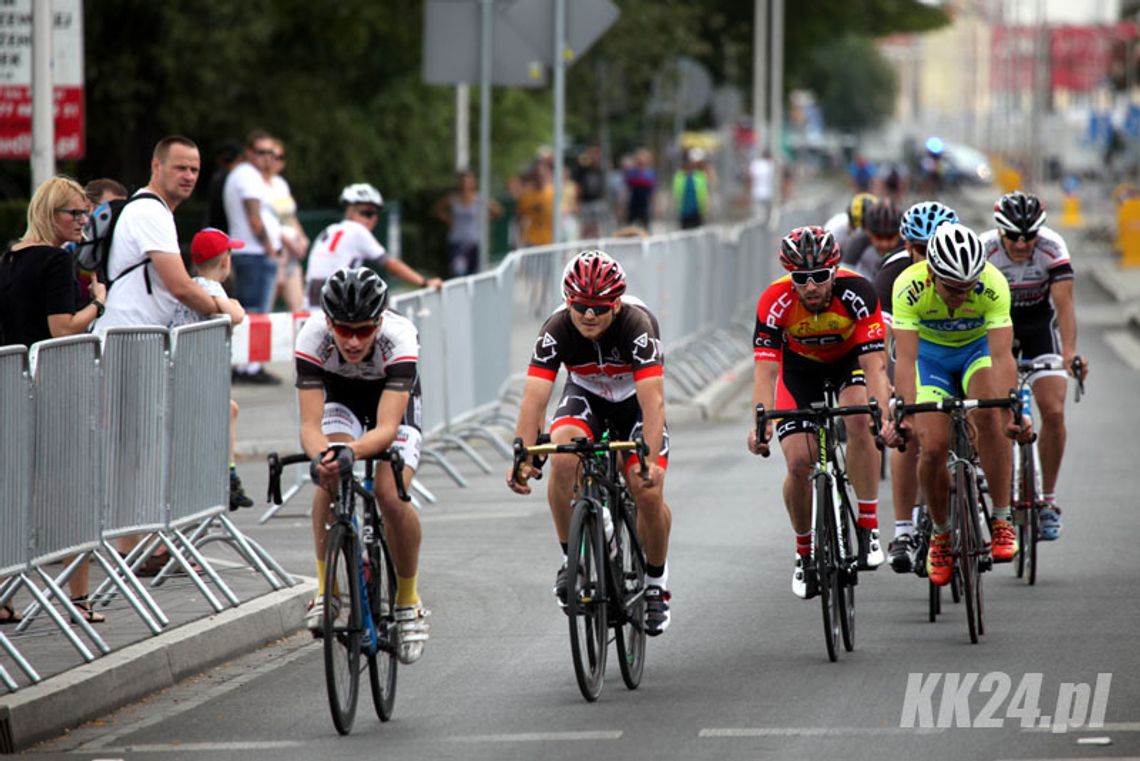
{"points": [[210, 252]]}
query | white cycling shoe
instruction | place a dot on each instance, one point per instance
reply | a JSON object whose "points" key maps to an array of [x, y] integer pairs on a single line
{"points": [[411, 621]]}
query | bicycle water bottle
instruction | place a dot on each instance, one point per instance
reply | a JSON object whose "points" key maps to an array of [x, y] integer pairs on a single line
{"points": [[1025, 395], [608, 527]]}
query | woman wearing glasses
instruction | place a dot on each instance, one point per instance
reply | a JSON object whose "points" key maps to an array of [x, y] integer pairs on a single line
{"points": [[349, 243], [38, 291], [820, 321]]}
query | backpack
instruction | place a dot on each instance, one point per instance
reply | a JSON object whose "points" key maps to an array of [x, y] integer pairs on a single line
{"points": [[93, 253]]}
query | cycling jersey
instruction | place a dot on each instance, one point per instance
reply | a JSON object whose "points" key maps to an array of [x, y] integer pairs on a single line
{"points": [[627, 352], [851, 323], [343, 244], [917, 307], [1030, 280], [893, 266]]}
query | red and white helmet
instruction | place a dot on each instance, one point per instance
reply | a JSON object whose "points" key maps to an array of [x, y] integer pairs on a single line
{"points": [[809, 248], [593, 276]]}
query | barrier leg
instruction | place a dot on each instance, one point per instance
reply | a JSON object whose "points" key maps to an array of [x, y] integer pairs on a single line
{"points": [[486, 434], [140, 590], [177, 560], [57, 619], [423, 491], [20, 660], [128, 594], [233, 536], [454, 441], [429, 454]]}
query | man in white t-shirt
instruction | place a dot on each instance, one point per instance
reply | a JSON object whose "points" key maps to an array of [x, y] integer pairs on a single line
{"points": [[149, 279], [247, 198], [762, 173], [350, 242]]}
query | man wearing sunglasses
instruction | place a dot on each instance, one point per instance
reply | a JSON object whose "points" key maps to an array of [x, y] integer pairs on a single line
{"points": [[820, 322], [611, 347], [953, 336], [1035, 261], [358, 384], [350, 242]]}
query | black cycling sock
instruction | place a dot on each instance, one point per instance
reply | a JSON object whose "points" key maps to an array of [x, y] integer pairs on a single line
{"points": [[565, 547], [654, 571]]}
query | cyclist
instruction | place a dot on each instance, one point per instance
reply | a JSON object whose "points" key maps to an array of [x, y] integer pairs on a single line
{"points": [[953, 334], [610, 345], [917, 226], [358, 384], [1035, 261], [350, 242], [883, 239], [820, 321], [848, 223]]}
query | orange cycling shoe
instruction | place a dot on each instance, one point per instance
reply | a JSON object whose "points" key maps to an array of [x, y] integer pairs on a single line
{"points": [[1004, 540], [939, 562]]}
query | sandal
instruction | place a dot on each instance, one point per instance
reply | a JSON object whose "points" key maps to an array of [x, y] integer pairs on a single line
{"points": [[84, 606], [9, 616], [156, 562]]}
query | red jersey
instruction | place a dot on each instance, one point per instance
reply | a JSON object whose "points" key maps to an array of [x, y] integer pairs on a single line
{"points": [[851, 323]]}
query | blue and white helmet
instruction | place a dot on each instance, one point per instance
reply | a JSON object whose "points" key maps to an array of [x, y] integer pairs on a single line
{"points": [[921, 220]]}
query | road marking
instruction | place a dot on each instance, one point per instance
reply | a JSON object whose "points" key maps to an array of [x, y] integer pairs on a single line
{"points": [[1125, 346], [477, 516], [214, 747], [812, 732], [1076, 758], [1108, 726], [526, 737]]}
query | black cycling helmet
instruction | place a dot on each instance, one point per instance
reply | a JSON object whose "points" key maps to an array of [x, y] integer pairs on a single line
{"points": [[809, 248], [1019, 212], [354, 295], [883, 218]]}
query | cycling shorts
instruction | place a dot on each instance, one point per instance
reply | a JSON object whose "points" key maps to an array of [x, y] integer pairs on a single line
{"points": [[1038, 342], [945, 371], [801, 383], [353, 417], [591, 415]]}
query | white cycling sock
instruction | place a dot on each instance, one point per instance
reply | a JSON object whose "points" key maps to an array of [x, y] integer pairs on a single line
{"points": [[903, 528]]}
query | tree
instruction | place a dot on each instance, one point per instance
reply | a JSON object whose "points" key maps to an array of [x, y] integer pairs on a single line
{"points": [[856, 86]]}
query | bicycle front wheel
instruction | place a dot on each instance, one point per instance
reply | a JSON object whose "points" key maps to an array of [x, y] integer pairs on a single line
{"points": [[1032, 528], [382, 599], [631, 634], [826, 565], [340, 628], [585, 599], [846, 548], [966, 548]]}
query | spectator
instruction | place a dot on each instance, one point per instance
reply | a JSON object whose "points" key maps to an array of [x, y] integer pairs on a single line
{"points": [[211, 251], [862, 173], [691, 191], [640, 182], [37, 300], [294, 243], [593, 206], [569, 208], [461, 211], [103, 190], [247, 200], [350, 242], [535, 207], [226, 158], [762, 178]]}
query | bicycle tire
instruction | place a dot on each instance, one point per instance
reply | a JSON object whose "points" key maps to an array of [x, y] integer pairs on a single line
{"points": [[585, 599], [826, 569], [383, 664], [1033, 523], [340, 628], [847, 577], [966, 547], [631, 638], [935, 600]]}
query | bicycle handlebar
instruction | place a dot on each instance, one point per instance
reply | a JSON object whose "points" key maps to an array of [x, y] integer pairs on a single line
{"points": [[580, 446], [1075, 368], [949, 406], [819, 412], [277, 465]]}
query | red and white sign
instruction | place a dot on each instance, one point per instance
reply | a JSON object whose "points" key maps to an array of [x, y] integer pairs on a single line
{"points": [[16, 78], [266, 337]]}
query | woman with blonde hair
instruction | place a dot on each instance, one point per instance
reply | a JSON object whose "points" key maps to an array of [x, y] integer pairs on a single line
{"points": [[37, 300]]}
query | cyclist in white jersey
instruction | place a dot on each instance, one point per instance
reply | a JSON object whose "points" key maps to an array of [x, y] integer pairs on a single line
{"points": [[349, 243], [358, 384], [1035, 261]]}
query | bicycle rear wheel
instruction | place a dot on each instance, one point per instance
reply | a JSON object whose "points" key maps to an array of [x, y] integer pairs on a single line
{"points": [[631, 634], [382, 600], [826, 565], [966, 548], [341, 626], [847, 574], [585, 599]]}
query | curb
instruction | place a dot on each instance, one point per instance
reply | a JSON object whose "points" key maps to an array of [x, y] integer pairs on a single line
{"points": [[47, 709]]}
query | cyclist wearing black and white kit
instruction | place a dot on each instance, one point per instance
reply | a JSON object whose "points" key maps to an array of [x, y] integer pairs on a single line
{"points": [[611, 348], [1035, 261], [358, 384]]}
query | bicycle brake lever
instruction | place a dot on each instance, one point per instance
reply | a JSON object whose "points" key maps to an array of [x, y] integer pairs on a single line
{"points": [[274, 494]]}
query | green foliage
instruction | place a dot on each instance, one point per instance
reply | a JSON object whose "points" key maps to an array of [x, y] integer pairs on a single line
{"points": [[855, 84]]}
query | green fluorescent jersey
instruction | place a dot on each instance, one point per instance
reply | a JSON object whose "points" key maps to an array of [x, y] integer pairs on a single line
{"points": [[916, 306]]}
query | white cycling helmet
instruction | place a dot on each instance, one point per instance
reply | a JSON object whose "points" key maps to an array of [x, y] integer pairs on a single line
{"points": [[955, 253], [361, 192]]}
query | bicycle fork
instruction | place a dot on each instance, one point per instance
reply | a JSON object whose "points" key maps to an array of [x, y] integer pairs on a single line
{"points": [[365, 537]]}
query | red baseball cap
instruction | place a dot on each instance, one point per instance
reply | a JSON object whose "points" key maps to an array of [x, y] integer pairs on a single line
{"points": [[211, 242]]}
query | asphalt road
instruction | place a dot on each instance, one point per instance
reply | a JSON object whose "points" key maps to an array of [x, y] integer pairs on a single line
{"points": [[742, 673]]}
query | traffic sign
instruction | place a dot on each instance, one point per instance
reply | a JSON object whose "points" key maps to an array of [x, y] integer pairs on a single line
{"points": [[451, 46]]}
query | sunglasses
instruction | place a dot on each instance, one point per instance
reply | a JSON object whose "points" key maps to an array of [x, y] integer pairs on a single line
{"points": [[74, 213], [582, 307], [265, 152], [361, 331], [958, 290], [819, 277], [369, 213], [1018, 237]]}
